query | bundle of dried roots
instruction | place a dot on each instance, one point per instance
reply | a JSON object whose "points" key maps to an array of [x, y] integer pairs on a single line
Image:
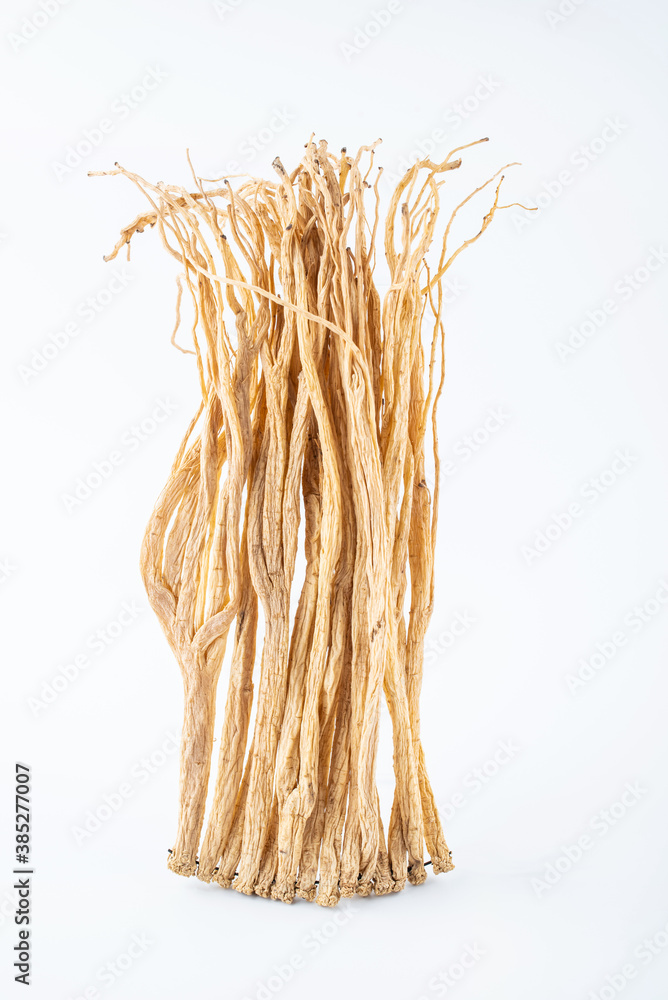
{"points": [[318, 410]]}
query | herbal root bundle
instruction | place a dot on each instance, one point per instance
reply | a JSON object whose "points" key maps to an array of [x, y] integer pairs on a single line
{"points": [[316, 424]]}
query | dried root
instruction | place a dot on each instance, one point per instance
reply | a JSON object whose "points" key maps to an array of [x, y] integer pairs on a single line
{"points": [[316, 405]]}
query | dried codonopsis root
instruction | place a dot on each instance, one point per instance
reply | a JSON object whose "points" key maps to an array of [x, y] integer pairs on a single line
{"points": [[318, 409]]}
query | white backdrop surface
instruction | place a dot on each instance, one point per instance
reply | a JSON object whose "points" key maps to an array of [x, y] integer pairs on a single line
{"points": [[544, 692]]}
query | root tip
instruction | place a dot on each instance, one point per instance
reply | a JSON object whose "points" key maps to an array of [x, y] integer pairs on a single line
{"points": [[181, 864]]}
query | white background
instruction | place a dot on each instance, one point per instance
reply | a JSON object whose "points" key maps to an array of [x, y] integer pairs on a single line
{"points": [[551, 85]]}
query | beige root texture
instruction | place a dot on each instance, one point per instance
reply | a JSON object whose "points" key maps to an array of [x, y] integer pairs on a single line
{"points": [[318, 409]]}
